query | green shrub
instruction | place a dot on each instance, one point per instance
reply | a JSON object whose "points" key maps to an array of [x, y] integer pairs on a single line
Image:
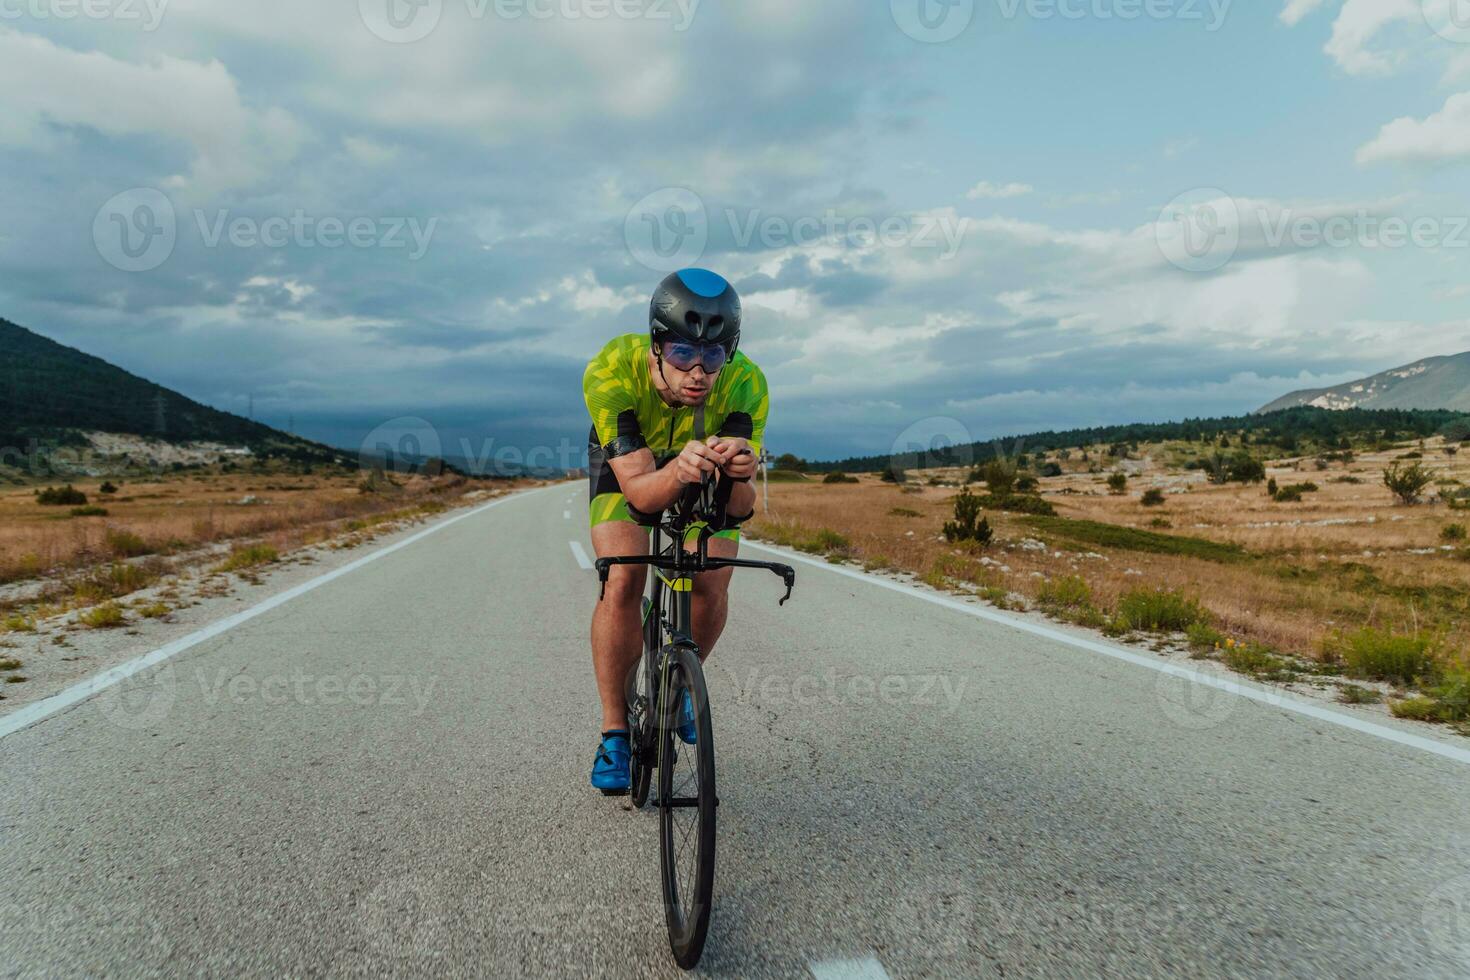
{"points": [[968, 524], [1158, 611], [1102, 535], [1018, 503], [1379, 655], [839, 477], [67, 496], [1407, 482], [1027, 484], [1288, 495], [1452, 532], [999, 476], [1161, 522], [1204, 637], [1356, 694], [248, 556], [904, 512], [1051, 469], [1153, 497], [91, 510], [1255, 660], [19, 623], [1065, 592], [1417, 708], [107, 488], [1272, 487], [153, 610], [125, 544], [105, 616], [895, 475], [1118, 483]]}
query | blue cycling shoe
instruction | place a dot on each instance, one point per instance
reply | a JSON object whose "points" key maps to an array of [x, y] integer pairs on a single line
{"points": [[610, 768], [686, 729]]}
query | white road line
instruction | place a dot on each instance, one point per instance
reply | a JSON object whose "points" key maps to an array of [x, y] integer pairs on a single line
{"points": [[867, 968], [1265, 695], [580, 553], [46, 707]]}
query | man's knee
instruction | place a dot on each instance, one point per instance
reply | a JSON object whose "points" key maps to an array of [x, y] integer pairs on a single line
{"points": [[625, 584], [712, 585]]}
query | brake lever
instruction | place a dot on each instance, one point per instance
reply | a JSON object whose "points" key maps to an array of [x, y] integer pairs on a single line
{"points": [[603, 566], [789, 577]]}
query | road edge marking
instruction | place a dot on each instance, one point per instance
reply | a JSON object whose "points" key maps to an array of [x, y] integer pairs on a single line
{"points": [[580, 553], [867, 968], [37, 712], [1264, 695]]}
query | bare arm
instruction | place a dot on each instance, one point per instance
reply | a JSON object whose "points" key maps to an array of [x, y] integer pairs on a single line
{"points": [[652, 490]]}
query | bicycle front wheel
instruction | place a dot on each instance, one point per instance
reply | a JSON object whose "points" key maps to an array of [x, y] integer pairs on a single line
{"points": [[687, 802]]}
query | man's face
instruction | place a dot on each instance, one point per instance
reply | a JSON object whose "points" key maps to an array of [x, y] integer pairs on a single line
{"points": [[691, 384]]}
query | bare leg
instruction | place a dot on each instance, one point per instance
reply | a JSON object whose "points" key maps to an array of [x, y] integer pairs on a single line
{"points": [[617, 638], [711, 601]]}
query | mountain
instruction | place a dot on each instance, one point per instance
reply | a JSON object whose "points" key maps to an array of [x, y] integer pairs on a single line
{"points": [[1435, 382], [51, 392]]}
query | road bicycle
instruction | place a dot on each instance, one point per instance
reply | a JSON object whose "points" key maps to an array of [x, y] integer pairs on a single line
{"points": [[685, 793]]}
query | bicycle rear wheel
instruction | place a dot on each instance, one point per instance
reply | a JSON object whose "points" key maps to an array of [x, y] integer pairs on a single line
{"points": [[687, 802]]}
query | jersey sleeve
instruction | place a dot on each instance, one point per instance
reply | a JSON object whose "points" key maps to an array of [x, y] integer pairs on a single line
{"points": [[612, 404], [750, 404]]}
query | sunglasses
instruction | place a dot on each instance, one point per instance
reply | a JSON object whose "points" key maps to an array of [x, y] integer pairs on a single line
{"points": [[684, 356]]}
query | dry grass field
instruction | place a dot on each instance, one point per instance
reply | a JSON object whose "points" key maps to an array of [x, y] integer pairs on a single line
{"points": [[1348, 582], [61, 558]]}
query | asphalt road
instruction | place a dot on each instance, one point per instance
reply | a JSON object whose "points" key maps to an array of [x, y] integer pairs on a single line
{"points": [[388, 774]]}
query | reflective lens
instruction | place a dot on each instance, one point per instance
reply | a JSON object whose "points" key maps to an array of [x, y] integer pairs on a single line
{"points": [[685, 356]]}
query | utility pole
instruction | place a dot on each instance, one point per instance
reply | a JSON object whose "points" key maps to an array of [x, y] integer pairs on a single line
{"points": [[765, 461]]}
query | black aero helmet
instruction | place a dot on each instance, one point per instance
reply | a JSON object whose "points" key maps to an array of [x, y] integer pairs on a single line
{"points": [[698, 306]]}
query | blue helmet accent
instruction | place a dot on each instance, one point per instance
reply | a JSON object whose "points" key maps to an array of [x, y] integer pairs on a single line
{"points": [[703, 282], [698, 306]]}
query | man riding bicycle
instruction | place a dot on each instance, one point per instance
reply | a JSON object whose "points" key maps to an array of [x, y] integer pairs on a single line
{"points": [[669, 408]]}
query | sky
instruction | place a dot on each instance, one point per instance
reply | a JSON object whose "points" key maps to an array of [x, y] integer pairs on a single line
{"points": [[946, 218]]}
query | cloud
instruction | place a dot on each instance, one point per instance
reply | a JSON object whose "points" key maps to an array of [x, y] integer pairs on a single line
{"points": [[195, 104], [1296, 10], [1442, 136], [985, 190]]}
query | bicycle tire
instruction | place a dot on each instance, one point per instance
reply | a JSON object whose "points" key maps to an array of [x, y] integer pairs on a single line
{"points": [[688, 898]]}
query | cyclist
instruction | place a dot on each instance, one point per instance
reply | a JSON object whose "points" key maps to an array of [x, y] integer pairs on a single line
{"points": [[668, 407]]}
